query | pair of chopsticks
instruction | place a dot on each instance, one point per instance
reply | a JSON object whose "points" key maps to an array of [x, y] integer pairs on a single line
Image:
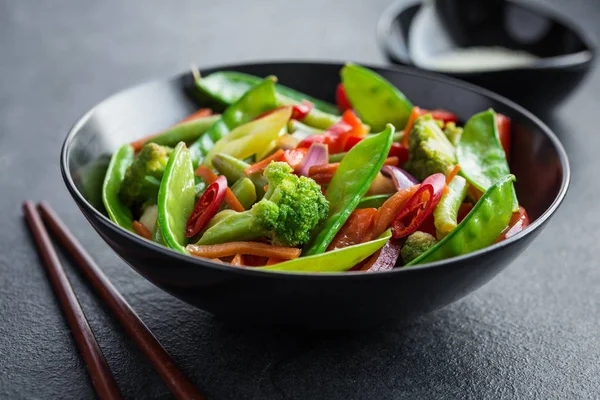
{"points": [[102, 379]]}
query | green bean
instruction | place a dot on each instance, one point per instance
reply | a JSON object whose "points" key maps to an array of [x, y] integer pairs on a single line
{"points": [[187, 132], [233, 170], [375, 201], [445, 215], [245, 192]]}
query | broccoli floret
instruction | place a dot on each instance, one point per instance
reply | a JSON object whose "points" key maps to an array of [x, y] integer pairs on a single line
{"points": [[142, 179], [290, 209], [453, 133], [429, 149], [415, 245]]}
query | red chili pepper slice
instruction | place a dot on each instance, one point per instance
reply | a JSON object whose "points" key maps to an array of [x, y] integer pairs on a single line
{"points": [[503, 123], [442, 115], [341, 99], [419, 206], [206, 207]]}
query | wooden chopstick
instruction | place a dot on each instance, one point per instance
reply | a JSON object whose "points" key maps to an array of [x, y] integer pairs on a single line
{"points": [[102, 379], [161, 361]]}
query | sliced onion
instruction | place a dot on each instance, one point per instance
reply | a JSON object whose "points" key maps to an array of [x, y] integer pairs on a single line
{"points": [[401, 178], [318, 154], [388, 256]]}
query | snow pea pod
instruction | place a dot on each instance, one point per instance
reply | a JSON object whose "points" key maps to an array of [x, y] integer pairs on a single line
{"points": [[187, 132], [350, 183], [338, 260], [479, 228], [176, 198], [376, 100], [256, 101], [480, 154], [245, 191], [375, 201], [233, 170], [445, 215], [229, 86], [116, 210]]}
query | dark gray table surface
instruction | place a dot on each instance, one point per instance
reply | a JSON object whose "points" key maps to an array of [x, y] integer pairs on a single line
{"points": [[532, 332]]}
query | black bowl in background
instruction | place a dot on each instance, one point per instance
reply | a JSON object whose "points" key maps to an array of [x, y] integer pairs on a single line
{"points": [[348, 300], [565, 54]]}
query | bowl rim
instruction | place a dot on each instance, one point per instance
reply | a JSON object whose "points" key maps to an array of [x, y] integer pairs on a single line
{"points": [[583, 57], [349, 275]]}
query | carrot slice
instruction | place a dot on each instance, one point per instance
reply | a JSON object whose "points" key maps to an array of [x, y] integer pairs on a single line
{"points": [[209, 176], [201, 113], [414, 114], [251, 248], [387, 212], [395, 161], [356, 229], [262, 164], [452, 174], [141, 230]]}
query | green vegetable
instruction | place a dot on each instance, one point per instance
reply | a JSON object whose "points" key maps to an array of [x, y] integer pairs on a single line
{"points": [[252, 137], [375, 201], [480, 228], [445, 215], [300, 130], [349, 184], [233, 170], [229, 86], [245, 192], [337, 157], [480, 154], [376, 100], [287, 213], [116, 210], [453, 133], [89, 179], [430, 150], [333, 261], [415, 245], [176, 198], [315, 118], [187, 132], [142, 179], [256, 101]]}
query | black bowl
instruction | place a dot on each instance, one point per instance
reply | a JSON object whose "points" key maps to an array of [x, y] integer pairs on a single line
{"points": [[348, 300], [408, 28]]}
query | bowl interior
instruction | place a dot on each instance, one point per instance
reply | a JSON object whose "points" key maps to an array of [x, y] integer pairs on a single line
{"points": [[417, 34], [536, 156]]}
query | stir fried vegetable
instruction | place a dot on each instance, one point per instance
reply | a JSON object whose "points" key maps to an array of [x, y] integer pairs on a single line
{"points": [[279, 181]]}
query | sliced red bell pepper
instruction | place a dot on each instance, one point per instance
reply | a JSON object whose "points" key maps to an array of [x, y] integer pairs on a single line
{"points": [[518, 222], [341, 99], [503, 123], [397, 150], [412, 215], [295, 157], [206, 207], [440, 114]]}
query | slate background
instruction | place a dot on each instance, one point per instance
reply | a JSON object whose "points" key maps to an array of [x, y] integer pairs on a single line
{"points": [[532, 332]]}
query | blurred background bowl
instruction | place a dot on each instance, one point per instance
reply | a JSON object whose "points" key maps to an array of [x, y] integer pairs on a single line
{"points": [[523, 51], [327, 301]]}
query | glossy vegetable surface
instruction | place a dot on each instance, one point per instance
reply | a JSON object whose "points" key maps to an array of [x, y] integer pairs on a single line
{"points": [[333, 261], [479, 228], [376, 100], [115, 174], [350, 183], [176, 198]]}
